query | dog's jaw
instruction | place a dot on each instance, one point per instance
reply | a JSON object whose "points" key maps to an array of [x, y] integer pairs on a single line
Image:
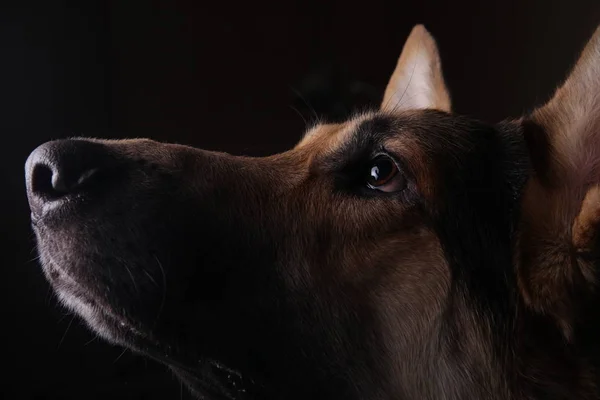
{"points": [[206, 378], [71, 294]]}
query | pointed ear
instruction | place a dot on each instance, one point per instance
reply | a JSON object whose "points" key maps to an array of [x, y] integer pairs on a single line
{"points": [[559, 245], [417, 81], [571, 117], [564, 135]]}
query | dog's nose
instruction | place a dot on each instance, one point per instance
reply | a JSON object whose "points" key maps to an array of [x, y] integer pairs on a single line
{"points": [[59, 168]]}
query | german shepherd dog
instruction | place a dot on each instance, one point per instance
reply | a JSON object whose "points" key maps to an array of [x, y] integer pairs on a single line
{"points": [[407, 253]]}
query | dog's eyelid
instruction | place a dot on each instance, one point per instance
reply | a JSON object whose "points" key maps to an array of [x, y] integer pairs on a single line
{"points": [[397, 158]]}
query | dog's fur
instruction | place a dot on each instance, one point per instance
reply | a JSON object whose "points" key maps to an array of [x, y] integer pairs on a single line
{"points": [[286, 277]]}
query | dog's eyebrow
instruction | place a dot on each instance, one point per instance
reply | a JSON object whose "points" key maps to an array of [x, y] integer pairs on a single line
{"points": [[367, 136], [375, 128]]}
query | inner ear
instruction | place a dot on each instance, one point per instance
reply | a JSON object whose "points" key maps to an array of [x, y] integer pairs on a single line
{"points": [[417, 82]]}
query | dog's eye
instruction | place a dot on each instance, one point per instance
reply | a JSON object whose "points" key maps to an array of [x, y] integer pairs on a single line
{"points": [[383, 175]]}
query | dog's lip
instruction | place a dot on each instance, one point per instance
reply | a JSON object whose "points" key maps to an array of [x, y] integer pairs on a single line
{"points": [[55, 207], [49, 211]]}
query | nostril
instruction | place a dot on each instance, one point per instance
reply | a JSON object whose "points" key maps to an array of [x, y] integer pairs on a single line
{"points": [[51, 183], [64, 170], [43, 182], [68, 181]]}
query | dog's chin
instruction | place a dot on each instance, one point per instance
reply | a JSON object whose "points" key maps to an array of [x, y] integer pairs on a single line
{"points": [[108, 325], [206, 378]]}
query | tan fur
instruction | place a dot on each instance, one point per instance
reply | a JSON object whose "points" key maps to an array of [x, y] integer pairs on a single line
{"points": [[417, 81], [328, 137], [585, 227]]}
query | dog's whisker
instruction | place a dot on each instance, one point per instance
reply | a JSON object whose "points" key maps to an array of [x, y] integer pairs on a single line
{"points": [[399, 103], [120, 355], [407, 98], [150, 277], [62, 339], [49, 295], [36, 258], [300, 114], [135, 286], [310, 107], [93, 339], [164, 290], [64, 315], [412, 73]]}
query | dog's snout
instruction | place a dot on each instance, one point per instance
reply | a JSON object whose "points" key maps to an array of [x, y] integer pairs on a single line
{"points": [[62, 167]]}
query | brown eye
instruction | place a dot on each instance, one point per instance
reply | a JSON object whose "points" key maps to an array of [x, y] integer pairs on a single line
{"points": [[383, 175]]}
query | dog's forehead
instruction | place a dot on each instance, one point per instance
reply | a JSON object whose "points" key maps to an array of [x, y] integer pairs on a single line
{"points": [[398, 129], [333, 135], [329, 136]]}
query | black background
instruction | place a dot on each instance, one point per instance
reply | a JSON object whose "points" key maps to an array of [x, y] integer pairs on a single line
{"points": [[221, 76]]}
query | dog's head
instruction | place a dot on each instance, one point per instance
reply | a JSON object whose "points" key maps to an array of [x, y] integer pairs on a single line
{"points": [[406, 253]]}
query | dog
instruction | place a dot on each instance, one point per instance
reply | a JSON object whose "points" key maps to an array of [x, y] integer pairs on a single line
{"points": [[407, 253]]}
